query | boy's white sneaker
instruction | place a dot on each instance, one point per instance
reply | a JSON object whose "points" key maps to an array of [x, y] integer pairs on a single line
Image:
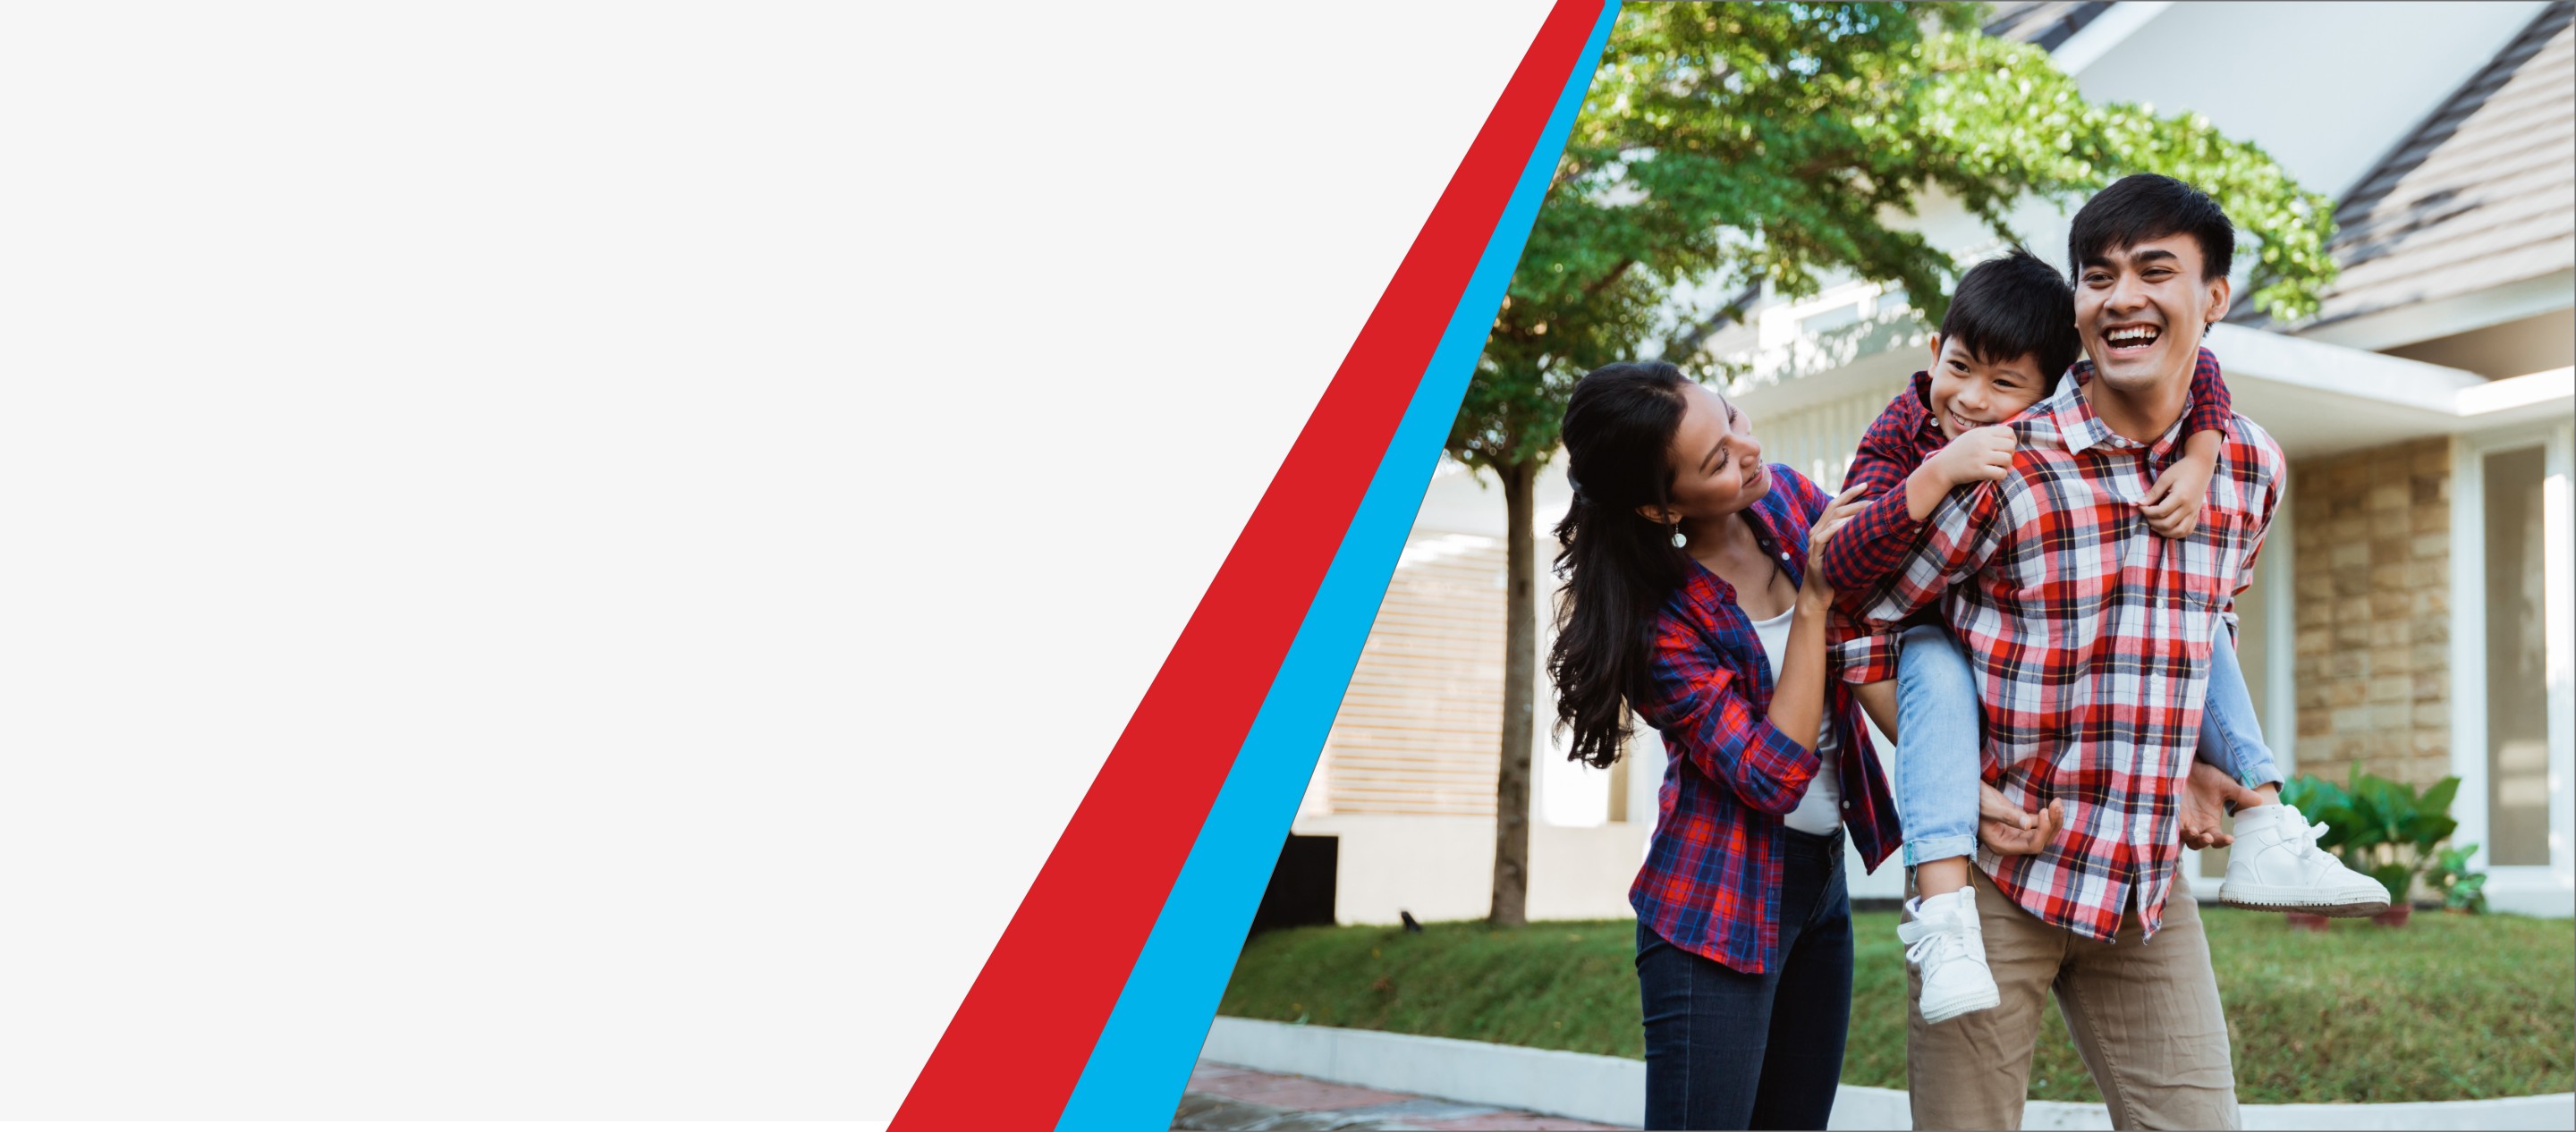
{"points": [[2276, 866], [1945, 942]]}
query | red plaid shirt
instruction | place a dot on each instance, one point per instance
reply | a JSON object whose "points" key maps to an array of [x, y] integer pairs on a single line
{"points": [[1711, 881], [1905, 434], [2090, 637]]}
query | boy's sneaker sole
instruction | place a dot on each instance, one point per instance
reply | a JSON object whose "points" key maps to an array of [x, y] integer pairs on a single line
{"points": [[2266, 898], [1988, 1000]]}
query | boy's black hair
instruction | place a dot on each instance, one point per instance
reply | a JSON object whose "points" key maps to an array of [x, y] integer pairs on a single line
{"points": [[2015, 305], [2150, 206]]}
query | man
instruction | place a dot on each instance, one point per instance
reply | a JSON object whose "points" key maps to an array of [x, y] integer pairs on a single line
{"points": [[2090, 636]]}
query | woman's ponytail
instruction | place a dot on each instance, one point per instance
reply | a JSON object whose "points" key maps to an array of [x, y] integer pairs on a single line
{"points": [[1618, 565]]}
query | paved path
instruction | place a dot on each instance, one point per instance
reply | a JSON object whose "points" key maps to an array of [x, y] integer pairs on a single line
{"points": [[1226, 1097]]}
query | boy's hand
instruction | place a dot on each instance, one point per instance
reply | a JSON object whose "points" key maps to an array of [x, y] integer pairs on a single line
{"points": [[2007, 829], [2172, 505], [1978, 454]]}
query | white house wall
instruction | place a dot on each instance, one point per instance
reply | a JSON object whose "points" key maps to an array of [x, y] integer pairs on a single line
{"points": [[1442, 868], [2358, 77], [1819, 440], [2537, 889]]}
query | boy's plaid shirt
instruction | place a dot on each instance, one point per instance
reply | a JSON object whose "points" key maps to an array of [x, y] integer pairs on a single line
{"points": [[1904, 436], [2090, 637], [1711, 881]]}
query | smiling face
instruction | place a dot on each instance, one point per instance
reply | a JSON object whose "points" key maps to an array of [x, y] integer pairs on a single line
{"points": [[1717, 462], [2142, 310], [1972, 392]]}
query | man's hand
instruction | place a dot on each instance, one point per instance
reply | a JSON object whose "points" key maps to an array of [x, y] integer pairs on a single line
{"points": [[2204, 800], [1978, 454], [2008, 829], [2172, 505]]}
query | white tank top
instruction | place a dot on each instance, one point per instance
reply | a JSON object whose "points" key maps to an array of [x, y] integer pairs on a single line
{"points": [[1821, 810]]}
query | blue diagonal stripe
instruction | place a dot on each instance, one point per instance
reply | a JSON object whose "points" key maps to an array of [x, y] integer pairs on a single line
{"points": [[1143, 1058]]}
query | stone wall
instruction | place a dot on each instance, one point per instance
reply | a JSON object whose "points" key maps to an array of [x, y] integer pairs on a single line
{"points": [[2373, 555]]}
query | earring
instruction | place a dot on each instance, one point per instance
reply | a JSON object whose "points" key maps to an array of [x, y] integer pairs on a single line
{"points": [[1678, 540]]}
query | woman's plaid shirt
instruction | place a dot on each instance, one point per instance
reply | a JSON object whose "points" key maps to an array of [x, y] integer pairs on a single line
{"points": [[1876, 539], [2090, 637], [1711, 881]]}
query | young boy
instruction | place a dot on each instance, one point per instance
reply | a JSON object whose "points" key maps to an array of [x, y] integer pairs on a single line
{"points": [[2009, 333]]}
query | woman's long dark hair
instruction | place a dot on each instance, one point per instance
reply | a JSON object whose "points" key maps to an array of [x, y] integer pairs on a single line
{"points": [[1618, 565]]}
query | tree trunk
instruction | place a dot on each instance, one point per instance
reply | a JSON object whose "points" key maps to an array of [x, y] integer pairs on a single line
{"points": [[1520, 696]]}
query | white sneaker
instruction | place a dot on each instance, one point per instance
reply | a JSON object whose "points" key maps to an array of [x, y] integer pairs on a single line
{"points": [[1945, 941], [2275, 865]]}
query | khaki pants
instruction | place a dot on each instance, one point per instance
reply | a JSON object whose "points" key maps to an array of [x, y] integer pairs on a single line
{"points": [[2144, 1015]]}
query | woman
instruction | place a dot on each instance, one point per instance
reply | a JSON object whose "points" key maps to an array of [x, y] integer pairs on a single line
{"points": [[1691, 599]]}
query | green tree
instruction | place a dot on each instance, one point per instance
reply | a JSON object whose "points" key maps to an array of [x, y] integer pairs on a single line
{"points": [[1728, 149]]}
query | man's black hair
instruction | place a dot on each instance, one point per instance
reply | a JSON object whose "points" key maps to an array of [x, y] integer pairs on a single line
{"points": [[2150, 206], [2015, 305]]}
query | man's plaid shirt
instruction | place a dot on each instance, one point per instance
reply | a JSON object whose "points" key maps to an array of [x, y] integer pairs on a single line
{"points": [[1711, 881], [2090, 638], [1899, 441]]}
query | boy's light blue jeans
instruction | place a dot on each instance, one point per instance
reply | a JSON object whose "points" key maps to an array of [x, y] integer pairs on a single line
{"points": [[1939, 731]]}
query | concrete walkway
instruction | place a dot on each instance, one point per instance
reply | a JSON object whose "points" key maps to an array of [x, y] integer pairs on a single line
{"points": [[1296, 1089], [1228, 1097]]}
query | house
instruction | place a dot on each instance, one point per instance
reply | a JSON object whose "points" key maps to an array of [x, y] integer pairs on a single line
{"points": [[2414, 609]]}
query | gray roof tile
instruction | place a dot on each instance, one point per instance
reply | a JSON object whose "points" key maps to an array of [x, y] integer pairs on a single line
{"points": [[2481, 194], [2047, 23]]}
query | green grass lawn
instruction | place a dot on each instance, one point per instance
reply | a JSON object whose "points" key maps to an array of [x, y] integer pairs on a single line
{"points": [[2449, 1007]]}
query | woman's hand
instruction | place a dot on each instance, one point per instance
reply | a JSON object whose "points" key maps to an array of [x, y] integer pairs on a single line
{"points": [[2008, 829], [1835, 514]]}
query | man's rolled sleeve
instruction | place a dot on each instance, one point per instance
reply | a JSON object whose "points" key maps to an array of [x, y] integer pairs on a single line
{"points": [[1868, 658]]}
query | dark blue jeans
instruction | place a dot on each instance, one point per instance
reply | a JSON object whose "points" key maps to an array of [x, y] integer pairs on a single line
{"points": [[1729, 1050]]}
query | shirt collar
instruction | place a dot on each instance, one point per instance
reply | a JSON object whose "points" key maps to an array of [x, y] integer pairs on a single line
{"points": [[1767, 517], [2203, 366], [1927, 422], [2081, 428]]}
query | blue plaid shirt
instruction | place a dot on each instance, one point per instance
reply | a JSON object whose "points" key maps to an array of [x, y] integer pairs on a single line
{"points": [[1711, 882]]}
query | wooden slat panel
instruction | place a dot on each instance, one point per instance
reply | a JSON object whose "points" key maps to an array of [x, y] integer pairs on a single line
{"points": [[1421, 724]]}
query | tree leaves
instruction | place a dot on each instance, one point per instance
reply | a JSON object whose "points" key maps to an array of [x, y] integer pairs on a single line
{"points": [[1729, 145]]}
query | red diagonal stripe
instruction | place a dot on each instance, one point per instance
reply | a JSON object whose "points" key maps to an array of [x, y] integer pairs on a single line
{"points": [[1039, 1004]]}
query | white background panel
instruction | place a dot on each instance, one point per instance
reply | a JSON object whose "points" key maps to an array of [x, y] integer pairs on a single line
{"points": [[571, 559]]}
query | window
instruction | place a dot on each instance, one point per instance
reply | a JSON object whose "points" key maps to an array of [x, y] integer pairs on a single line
{"points": [[1834, 319], [2517, 681]]}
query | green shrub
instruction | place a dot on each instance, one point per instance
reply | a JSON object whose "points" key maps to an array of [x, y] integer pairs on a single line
{"points": [[2461, 890]]}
